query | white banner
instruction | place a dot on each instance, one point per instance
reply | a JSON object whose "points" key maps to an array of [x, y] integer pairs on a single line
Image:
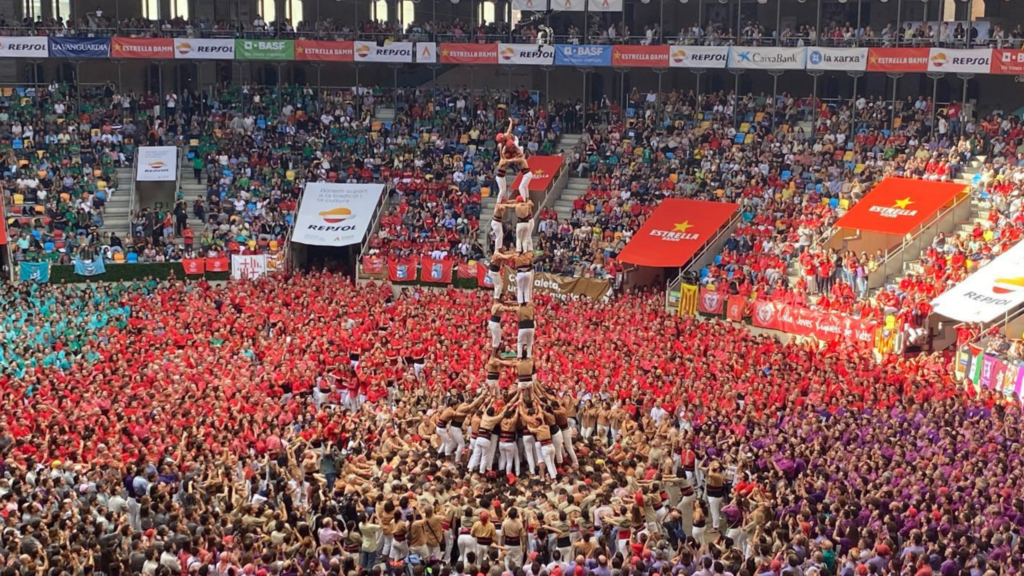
{"points": [[335, 214], [526, 54], [426, 52], [157, 164], [606, 5], [567, 5], [849, 59], [248, 266], [767, 58], [977, 61], [24, 47], [988, 293], [395, 52], [534, 5], [204, 49], [698, 56]]}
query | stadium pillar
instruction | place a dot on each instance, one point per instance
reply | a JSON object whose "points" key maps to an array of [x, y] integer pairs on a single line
{"points": [[585, 71], [853, 124], [735, 95], [698, 72], [775, 92], [817, 26], [899, 24], [359, 96], [857, 33], [659, 103], [622, 93], [120, 82], [778, 25], [963, 100], [199, 87], [967, 38], [78, 86], [892, 103], [814, 99], [935, 95], [547, 84]]}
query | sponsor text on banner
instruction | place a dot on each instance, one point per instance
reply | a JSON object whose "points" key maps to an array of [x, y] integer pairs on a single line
{"points": [[335, 214]]}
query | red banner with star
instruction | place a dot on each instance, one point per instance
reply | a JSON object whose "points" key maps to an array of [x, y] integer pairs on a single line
{"points": [[899, 205], [676, 231]]}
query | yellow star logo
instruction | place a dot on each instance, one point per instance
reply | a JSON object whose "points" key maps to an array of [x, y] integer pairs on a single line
{"points": [[299, 50], [445, 52], [538, 172], [683, 227], [902, 204]]}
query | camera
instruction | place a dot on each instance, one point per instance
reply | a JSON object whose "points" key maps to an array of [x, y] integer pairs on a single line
{"points": [[544, 35]]}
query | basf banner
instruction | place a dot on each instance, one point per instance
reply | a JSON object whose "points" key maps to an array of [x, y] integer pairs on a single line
{"points": [[849, 59], [277, 50], [24, 47], [157, 164], [586, 55], [989, 293], [204, 49], [79, 47], [141, 48], [335, 214], [526, 54], [1007, 61], [394, 53], [977, 61], [767, 58], [698, 56]]}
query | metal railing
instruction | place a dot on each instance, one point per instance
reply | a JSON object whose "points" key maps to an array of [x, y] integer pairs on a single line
{"points": [[713, 241], [131, 197]]}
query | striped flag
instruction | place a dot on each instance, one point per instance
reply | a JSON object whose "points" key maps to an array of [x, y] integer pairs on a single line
{"points": [[688, 295]]}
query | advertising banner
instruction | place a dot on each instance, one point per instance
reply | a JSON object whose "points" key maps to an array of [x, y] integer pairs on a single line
{"points": [[248, 266], [899, 205], [436, 271], [848, 59], [142, 48], [526, 55], [217, 264], [276, 50], [24, 47], [973, 61], [204, 49], [533, 5], [554, 286], [586, 55], [324, 51], [393, 53], [426, 52], [38, 272], [824, 326], [335, 214], [544, 169], [193, 266], [568, 5], [698, 56], [454, 53], [157, 164], [605, 5], [79, 47], [767, 58], [711, 301], [675, 232], [987, 294], [1007, 62], [898, 59], [630, 56]]}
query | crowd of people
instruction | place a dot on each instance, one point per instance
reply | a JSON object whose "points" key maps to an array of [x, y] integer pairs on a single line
{"points": [[290, 426]]}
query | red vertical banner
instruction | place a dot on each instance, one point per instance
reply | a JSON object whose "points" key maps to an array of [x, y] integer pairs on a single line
{"points": [[711, 302], [735, 308], [436, 271]]}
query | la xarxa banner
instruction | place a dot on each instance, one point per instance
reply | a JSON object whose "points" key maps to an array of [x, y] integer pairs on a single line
{"points": [[324, 51], [393, 53], [454, 53], [61, 47], [248, 266], [204, 49], [824, 326], [698, 56], [630, 56], [193, 266], [426, 52], [526, 54], [24, 47], [157, 164], [849, 59], [217, 264], [767, 58], [987, 294], [898, 59], [544, 169], [335, 214], [899, 205], [148, 48], [436, 271], [554, 286], [973, 61], [588, 55], [711, 301], [276, 50], [675, 232], [1007, 62]]}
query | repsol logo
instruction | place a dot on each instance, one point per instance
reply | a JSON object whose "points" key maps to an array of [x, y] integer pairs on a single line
{"points": [[330, 228], [215, 49], [385, 51], [969, 61], [708, 57], [23, 47]]}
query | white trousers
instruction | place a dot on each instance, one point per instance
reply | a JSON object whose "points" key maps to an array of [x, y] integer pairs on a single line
{"points": [[567, 446], [507, 454], [715, 504], [524, 236], [524, 184], [481, 446], [502, 187], [499, 283], [530, 449], [497, 234], [547, 452], [495, 329], [524, 342], [492, 451], [524, 287], [556, 441], [446, 440], [466, 544], [458, 441]]}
